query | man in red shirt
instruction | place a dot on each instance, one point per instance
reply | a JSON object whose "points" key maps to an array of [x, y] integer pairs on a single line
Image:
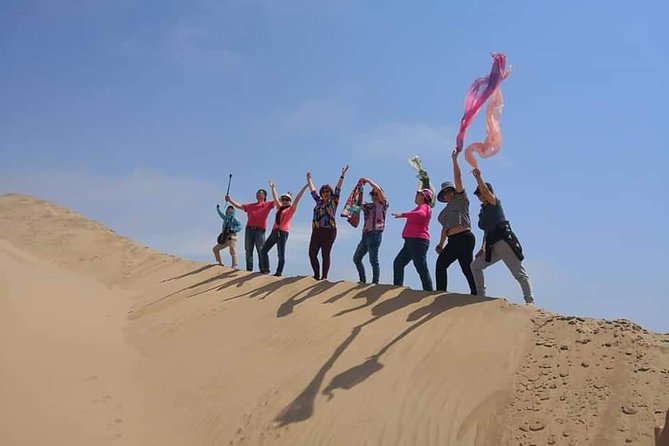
{"points": [[257, 213]]}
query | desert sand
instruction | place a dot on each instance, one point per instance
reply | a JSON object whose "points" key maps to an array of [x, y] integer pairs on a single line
{"points": [[105, 341]]}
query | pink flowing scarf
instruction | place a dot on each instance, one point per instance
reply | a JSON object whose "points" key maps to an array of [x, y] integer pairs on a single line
{"points": [[493, 140], [480, 91]]}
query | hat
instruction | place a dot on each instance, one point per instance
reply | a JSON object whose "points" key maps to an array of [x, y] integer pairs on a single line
{"points": [[445, 185], [478, 190], [287, 195], [427, 193]]}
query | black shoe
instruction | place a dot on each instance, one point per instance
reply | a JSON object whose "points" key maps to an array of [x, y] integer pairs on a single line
{"points": [[277, 274]]}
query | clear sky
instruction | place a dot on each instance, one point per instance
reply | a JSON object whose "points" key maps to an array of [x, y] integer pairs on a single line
{"points": [[133, 113]]}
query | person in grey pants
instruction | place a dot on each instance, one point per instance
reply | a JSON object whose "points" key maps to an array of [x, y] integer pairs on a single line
{"points": [[499, 242]]}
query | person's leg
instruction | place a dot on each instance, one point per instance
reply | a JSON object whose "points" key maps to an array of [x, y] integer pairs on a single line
{"points": [[314, 247], [477, 267], [516, 267], [217, 253], [282, 239], [446, 257], [373, 245], [233, 252], [465, 258], [360, 252], [264, 251], [329, 239], [248, 248], [401, 261], [225, 246], [418, 250], [259, 240]]}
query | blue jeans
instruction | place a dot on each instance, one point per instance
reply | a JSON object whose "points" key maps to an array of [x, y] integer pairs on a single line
{"points": [[371, 241], [253, 238], [414, 249], [278, 238]]}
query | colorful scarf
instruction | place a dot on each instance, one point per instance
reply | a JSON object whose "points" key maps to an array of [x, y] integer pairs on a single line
{"points": [[353, 205], [479, 92]]}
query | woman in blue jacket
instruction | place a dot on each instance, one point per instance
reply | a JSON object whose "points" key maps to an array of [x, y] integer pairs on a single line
{"points": [[228, 236]]}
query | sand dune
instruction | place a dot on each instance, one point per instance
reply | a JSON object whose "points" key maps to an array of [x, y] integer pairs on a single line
{"points": [[107, 342]]}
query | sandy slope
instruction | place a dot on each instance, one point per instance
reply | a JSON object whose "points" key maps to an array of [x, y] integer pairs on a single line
{"points": [[105, 342]]}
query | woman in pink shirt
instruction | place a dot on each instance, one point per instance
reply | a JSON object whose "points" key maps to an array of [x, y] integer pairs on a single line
{"points": [[285, 209], [416, 241]]}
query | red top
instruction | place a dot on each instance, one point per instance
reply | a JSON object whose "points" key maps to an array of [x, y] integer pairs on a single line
{"points": [[418, 222], [257, 213], [286, 218]]}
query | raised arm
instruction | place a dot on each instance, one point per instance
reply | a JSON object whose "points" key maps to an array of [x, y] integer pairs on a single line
{"points": [[377, 188], [299, 196], [341, 177], [420, 210], [234, 202], [310, 183], [486, 194], [220, 213], [457, 174], [272, 187]]}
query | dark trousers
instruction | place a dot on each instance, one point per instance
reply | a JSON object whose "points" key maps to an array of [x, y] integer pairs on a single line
{"points": [[371, 241], [459, 247], [322, 240], [253, 239], [414, 250], [278, 238]]}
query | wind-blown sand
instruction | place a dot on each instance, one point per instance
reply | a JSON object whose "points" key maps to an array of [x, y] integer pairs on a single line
{"points": [[108, 342]]}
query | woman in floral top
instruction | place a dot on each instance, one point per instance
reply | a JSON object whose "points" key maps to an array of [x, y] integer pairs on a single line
{"points": [[324, 226]]}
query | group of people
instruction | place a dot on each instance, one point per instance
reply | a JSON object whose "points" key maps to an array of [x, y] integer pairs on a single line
{"points": [[456, 242]]}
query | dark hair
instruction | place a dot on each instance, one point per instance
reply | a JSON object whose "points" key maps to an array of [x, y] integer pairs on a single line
{"points": [[263, 191], [488, 185], [229, 207], [326, 187]]}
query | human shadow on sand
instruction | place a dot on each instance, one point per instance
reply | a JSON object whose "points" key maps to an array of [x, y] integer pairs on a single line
{"points": [[287, 307], [195, 271], [358, 374], [240, 280], [371, 294], [302, 407], [267, 289], [191, 287], [336, 297]]}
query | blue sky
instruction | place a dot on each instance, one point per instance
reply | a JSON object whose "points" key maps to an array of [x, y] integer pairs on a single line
{"points": [[134, 114]]}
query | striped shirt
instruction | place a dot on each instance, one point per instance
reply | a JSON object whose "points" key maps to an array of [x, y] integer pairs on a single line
{"points": [[456, 212]]}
